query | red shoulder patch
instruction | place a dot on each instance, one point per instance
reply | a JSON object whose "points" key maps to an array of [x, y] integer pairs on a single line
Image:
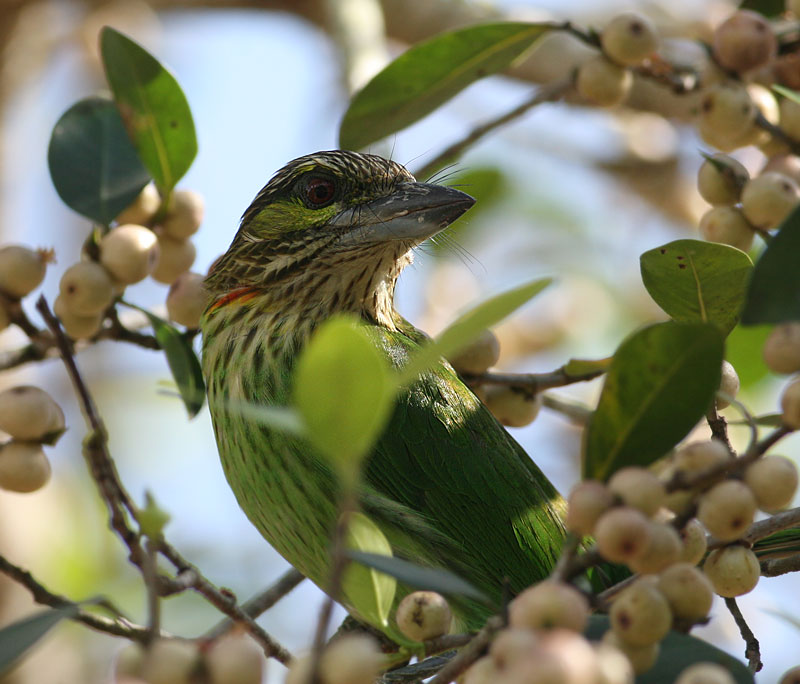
{"points": [[239, 296]]}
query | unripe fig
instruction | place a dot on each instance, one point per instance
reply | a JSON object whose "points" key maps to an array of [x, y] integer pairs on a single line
{"points": [[21, 269], [479, 356], [423, 615], [235, 659], [512, 406], [744, 41], [29, 413], [767, 106], [641, 658], [482, 671], [791, 676], [728, 226], [638, 488], [694, 540], [511, 645], [781, 350], [729, 384], [733, 570], [663, 550], [351, 659], [142, 210], [687, 590], [572, 652], [23, 467], [602, 82], [185, 214], [587, 501], [629, 39], [175, 258], [790, 404], [767, 199], [773, 481], [790, 118], [640, 614], [622, 534], [170, 661], [5, 317], [187, 299], [613, 665], [76, 326], [549, 604], [786, 69], [698, 457], [299, 671], [705, 673], [727, 510], [86, 289], [787, 164], [727, 111], [129, 252], [129, 662], [720, 180]]}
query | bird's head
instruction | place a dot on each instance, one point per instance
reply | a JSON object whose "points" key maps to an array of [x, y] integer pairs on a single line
{"points": [[331, 232]]}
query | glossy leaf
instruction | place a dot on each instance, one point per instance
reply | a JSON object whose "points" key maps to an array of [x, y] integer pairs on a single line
{"points": [[660, 384], [787, 92], [18, 637], [93, 165], [370, 592], [182, 361], [344, 391], [696, 281], [468, 326], [153, 107], [426, 579], [677, 652], [773, 295], [430, 73]]}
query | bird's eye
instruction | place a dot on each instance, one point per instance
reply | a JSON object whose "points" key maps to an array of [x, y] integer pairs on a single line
{"points": [[319, 191]]}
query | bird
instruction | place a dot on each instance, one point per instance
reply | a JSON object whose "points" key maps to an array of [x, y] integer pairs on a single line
{"points": [[448, 486]]}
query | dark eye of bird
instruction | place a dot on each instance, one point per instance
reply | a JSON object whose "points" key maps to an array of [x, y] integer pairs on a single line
{"points": [[319, 191]]}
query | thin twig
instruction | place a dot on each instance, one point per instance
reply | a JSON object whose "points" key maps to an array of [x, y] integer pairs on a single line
{"points": [[775, 567], [752, 650], [777, 132], [151, 583], [533, 382], [470, 653], [775, 523], [577, 413], [448, 642]]}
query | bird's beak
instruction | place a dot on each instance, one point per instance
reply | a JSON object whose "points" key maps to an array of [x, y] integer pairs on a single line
{"points": [[412, 213]]}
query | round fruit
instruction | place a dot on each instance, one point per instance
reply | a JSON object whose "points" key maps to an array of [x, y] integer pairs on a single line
{"points": [[549, 604], [790, 118], [622, 534], [482, 671], [23, 467], [790, 404], [5, 317], [663, 550], [727, 510], [698, 457], [129, 252], [733, 570], [170, 661], [782, 348], [175, 258], [641, 658], [744, 41], [512, 406], [705, 673], [720, 179], [602, 82], [687, 590], [638, 488], [773, 481], [726, 111], [235, 659], [613, 665], [767, 199], [694, 540], [142, 210], [640, 615], [479, 356], [571, 652], [423, 615], [729, 384], [629, 39], [791, 676], [129, 661], [29, 413], [786, 69], [351, 659], [587, 501], [21, 269], [728, 226], [86, 289], [187, 299], [787, 164], [76, 326], [511, 645], [185, 214]]}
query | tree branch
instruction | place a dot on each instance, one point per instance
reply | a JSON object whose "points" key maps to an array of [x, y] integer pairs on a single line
{"points": [[752, 649]]}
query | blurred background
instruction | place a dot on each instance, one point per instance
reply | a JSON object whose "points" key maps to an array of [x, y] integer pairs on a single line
{"points": [[565, 191]]}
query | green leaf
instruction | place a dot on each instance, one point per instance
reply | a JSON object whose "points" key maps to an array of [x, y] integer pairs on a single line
{"points": [[181, 359], [468, 326], [19, 636], [370, 592], [93, 164], [769, 8], [787, 92], [660, 384], [427, 579], [344, 392], [743, 350], [773, 295], [677, 652], [696, 281], [429, 74], [153, 107]]}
